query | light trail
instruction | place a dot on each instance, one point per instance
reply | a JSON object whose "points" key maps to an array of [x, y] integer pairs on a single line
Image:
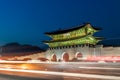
{"points": [[1, 61], [37, 62], [98, 68], [106, 77]]}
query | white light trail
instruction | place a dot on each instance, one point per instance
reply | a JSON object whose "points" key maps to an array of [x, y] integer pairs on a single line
{"points": [[37, 62], [106, 77], [1, 61], [98, 68]]}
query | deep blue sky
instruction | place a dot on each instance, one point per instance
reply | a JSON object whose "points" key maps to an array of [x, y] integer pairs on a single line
{"points": [[25, 21]]}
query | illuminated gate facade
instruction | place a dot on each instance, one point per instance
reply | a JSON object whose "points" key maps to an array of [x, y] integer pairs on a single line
{"points": [[77, 42]]}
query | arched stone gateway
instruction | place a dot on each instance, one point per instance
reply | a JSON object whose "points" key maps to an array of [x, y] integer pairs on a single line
{"points": [[78, 55], [54, 57], [65, 57]]}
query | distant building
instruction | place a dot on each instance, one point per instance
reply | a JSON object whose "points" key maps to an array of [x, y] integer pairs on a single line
{"points": [[74, 43]]}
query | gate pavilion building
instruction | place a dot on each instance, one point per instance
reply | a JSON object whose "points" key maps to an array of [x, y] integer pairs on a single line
{"points": [[73, 43]]}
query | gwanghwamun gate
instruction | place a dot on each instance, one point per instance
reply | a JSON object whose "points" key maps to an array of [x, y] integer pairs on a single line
{"points": [[76, 44]]}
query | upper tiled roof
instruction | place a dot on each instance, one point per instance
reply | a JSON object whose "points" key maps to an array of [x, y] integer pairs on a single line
{"points": [[60, 31]]}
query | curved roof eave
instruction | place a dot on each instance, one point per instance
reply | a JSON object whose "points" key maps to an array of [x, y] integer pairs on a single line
{"points": [[60, 31]]}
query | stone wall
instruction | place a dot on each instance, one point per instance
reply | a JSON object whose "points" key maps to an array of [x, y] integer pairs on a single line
{"points": [[111, 51], [72, 51]]}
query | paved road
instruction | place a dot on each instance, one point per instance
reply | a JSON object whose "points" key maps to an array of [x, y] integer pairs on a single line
{"points": [[63, 71], [12, 77]]}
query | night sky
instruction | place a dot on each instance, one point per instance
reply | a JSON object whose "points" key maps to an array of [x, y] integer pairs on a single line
{"points": [[25, 21]]}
